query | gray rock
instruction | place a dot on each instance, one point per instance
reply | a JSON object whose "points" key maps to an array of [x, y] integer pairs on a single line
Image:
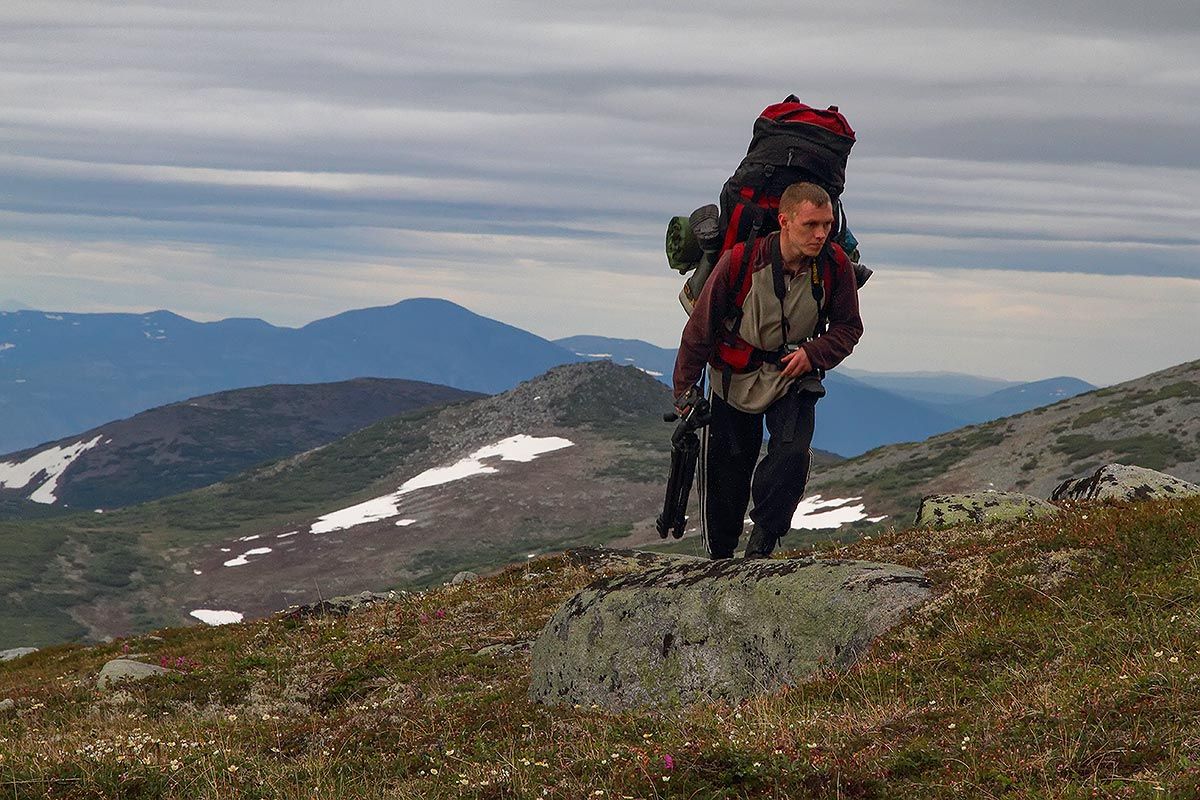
{"points": [[122, 669], [980, 508], [340, 606], [7, 705], [1125, 483], [505, 648], [465, 576], [16, 652], [704, 629], [606, 558]]}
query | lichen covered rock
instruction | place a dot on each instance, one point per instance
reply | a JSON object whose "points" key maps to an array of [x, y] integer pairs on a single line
{"points": [[697, 630], [980, 508], [1125, 483]]}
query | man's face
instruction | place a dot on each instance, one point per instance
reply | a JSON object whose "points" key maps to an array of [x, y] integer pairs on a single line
{"points": [[807, 227]]}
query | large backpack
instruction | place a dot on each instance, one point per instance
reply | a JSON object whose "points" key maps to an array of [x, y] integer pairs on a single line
{"points": [[791, 142]]}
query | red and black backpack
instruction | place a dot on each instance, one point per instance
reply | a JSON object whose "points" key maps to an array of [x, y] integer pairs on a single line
{"points": [[791, 142]]}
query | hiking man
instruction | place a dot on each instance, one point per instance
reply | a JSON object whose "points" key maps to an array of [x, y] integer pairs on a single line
{"points": [[797, 317]]}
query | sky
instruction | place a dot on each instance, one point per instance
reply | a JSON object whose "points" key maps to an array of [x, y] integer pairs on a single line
{"points": [[1025, 183]]}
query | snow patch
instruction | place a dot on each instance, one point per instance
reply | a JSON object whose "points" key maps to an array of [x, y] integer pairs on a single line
{"points": [[285, 535], [651, 372], [52, 462], [404, 523], [6, 346], [813, 513], [211, 617], [197, 572], [522, 448], [248, 538], [241, 560], [56, 317], [594, 355]]}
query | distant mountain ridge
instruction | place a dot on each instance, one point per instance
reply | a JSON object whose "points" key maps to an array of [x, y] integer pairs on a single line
{"points": [[865, 410], [205, 439], [64, 373]]}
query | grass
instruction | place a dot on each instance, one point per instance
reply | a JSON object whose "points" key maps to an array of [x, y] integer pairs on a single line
{"points": [[1150, 450], [1129, 400], [1059, 659]]}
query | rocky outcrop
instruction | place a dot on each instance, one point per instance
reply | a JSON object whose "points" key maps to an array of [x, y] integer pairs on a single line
{"points": [[697, 629], [1125, 483], [940, 510], [16, 652], [124, 669]]}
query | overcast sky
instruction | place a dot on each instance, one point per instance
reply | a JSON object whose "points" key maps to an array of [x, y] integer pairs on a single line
{"points": [[1026, 182]]}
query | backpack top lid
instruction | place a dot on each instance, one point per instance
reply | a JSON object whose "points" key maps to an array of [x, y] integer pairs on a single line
{"points": [[793, 111]]}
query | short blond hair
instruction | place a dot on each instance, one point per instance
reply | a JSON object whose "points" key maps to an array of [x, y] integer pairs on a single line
{"points": [[803, 192]]}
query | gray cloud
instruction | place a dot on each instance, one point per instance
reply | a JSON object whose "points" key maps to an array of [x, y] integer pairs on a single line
{"points": [[992, 136]]}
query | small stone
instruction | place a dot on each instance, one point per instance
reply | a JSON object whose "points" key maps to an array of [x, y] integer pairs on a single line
{"points": [[123, 669], [7, 705], [505, 648], [465, 576]]}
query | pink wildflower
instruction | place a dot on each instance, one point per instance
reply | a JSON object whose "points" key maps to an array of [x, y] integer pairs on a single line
{"points": [[668, 762]]}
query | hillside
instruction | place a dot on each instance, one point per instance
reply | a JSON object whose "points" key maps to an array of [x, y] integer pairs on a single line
{"points": [[476, 500], [202, 440], [1150, 422], [65, 373], [1057, 659]]}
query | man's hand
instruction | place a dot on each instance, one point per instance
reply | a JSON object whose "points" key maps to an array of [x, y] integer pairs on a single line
{"points": [[796, 364], [685, 401]]}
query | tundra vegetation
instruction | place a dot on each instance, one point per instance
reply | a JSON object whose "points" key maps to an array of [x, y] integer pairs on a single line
{"points": [[1058, 658]]}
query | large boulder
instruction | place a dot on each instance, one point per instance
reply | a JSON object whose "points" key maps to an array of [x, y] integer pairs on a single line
{"points": [[1122, 482], [16, 652], [980, 508], [696, 630]]}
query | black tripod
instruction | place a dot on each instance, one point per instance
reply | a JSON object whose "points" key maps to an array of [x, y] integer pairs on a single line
{"points": [[685, 449]]}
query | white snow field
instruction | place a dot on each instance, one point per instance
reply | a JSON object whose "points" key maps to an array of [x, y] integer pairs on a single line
{"points": [[53, 461], [241, 560], [211, 617], [522, 447], [813, 513]]}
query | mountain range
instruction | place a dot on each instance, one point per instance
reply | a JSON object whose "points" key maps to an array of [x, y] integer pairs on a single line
{"points": [[200, 441], [64, 373]]}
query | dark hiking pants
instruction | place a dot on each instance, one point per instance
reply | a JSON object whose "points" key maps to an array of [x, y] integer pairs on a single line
{"points": [[728, 478]]}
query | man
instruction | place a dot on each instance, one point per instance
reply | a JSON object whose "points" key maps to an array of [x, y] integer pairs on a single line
{"points": [[799, 317]]}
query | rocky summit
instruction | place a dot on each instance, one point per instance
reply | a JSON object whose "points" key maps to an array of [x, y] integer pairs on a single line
{"points": [[694, 630], [1125, 483]]}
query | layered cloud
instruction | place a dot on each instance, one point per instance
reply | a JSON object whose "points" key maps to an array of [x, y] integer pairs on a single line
{"points": [[291, 163]]}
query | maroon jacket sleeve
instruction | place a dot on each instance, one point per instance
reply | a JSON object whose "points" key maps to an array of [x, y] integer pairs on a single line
{"points": [[845, 325], [699, 340]]}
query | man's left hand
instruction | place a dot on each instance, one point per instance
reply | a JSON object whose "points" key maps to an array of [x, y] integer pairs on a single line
{"points": [[796, 364]]}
